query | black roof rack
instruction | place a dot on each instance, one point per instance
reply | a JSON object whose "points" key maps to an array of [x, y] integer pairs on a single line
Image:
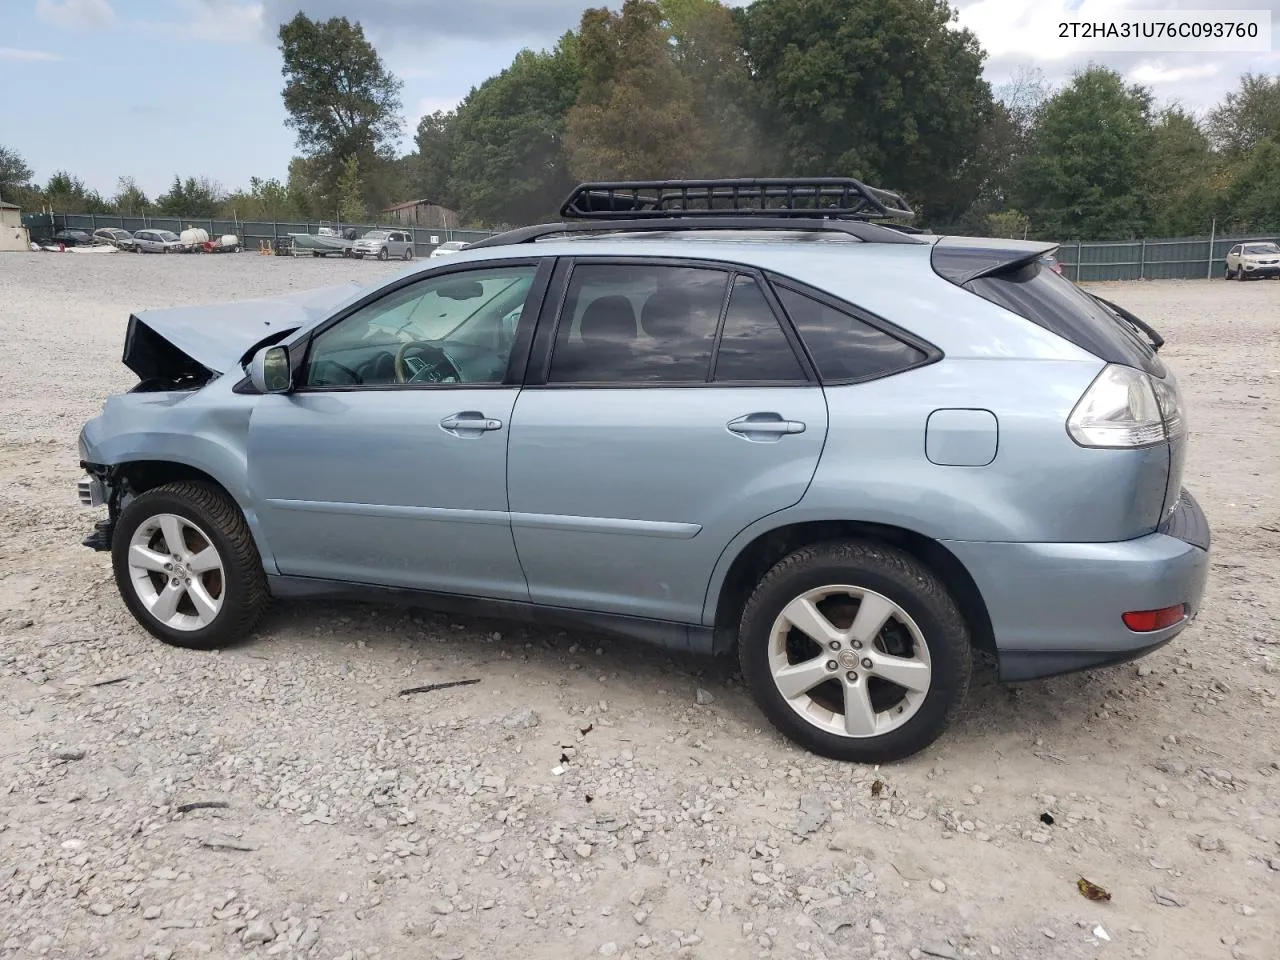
{"points": [[805, 197], [814, 204], [859, 229]]}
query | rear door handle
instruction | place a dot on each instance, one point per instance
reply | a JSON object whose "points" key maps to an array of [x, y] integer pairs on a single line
{"points": [[469, 423], [761, 426]]}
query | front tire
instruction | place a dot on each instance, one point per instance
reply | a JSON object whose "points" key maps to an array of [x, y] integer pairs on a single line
{"points": [[187, 568], [855, 651]]}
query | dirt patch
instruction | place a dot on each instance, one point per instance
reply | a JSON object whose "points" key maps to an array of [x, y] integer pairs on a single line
{"points": [[482, 821]]}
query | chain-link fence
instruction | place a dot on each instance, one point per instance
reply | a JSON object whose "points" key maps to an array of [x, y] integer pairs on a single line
{"points": [[252, 233]]}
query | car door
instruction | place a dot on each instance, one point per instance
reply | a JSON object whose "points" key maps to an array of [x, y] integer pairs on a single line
{"points": [[386, 464], [666, 409], [398, 244]]}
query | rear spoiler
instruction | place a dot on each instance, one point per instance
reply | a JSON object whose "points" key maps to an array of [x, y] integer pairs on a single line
{"points": [[961, 259]]}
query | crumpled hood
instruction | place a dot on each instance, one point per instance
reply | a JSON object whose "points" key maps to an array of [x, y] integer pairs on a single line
{"points": [[203, 341]]}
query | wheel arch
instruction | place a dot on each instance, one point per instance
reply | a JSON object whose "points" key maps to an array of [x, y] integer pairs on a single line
{"points": [[727, 597], [143, 474]]}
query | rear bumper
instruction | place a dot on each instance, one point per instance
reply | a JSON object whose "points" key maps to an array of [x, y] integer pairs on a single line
{"points": [[1057, 607]]}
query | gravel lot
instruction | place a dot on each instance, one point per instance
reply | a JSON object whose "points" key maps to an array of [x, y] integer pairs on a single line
{"points": [[584, 799]]}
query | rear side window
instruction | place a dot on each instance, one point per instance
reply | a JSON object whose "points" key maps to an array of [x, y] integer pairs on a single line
{"points": [[632, 323], [753, 348], [1058, 305], [845, 347]]}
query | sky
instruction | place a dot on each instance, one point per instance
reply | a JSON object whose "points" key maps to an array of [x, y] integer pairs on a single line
{"points": [[154, 88]]}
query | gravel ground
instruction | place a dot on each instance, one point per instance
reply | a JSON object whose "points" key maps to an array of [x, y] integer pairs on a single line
{"points": [[593, 799]]}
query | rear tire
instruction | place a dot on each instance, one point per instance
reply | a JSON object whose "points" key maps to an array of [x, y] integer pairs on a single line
{"points": [[853, 711], [408, 253], [213, 589]]}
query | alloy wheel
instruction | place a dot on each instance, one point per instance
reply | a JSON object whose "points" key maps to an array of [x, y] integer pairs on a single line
{"points": [[176, 572], [849, 661]]}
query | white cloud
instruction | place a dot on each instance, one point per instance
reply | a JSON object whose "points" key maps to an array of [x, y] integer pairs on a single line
{"points": [[1154, 74], [218, 21], [10, 53], [76, 14]]}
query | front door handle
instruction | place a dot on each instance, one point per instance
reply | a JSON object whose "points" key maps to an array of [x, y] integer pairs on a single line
{"points": [[469, 423], [764, 426]]}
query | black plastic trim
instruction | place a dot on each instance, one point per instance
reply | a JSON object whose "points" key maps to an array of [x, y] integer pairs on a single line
{"points": [[1018, 666], [962, 259], [1187, 522], [688, 637]]}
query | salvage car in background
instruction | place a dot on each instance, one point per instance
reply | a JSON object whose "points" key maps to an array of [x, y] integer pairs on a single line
{"points": [[851, 461], [118, 238], [1253, 261], [72, 238], [158, 241]]}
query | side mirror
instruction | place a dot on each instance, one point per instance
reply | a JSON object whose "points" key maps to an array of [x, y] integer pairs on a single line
{"points": [[269, 370]]}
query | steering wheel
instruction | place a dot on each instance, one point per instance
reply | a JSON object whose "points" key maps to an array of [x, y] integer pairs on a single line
{"points": [[420, 361]]}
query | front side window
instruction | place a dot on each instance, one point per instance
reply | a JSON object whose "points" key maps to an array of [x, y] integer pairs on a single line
{"points": [[444, 330], [638, 323]]}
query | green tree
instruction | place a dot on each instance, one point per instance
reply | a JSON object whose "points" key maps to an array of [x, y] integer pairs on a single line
{"points": [[129, 199], [1247, 116], [1177, 176], [14, 172], [1252, 197], [343, 103], [351, 208], [1082, 176], [432, 164], [68, 194], [884, 90], [635, 115], [192, 197], [1010, 224], [264, 200], [707, 49], [503, 149]]}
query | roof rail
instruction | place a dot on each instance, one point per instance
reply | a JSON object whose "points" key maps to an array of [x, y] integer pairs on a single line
{"points": [[859, 229], [801, 197]]}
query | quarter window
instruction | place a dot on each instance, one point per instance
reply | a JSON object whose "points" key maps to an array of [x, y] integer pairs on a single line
{"points": [[630, 323], [843, 346]]}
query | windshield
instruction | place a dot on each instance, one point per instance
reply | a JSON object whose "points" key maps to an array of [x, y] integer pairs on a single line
{"points": [[376, 235], [1256, 248], [166, 235]]}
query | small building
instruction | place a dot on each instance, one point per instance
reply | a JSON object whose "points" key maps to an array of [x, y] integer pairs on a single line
{"points": [[13, 235], [422, 213]]}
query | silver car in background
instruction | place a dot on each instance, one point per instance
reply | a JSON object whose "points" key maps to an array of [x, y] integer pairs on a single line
{"points": [[158, 241], [757, 423], [118, 238], [385, 245]]}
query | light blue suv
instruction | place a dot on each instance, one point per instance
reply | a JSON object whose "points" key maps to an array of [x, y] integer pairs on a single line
{"points": [[712, 415]]}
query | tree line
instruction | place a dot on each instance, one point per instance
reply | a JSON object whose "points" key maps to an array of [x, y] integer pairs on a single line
{"points": [[888, 91]]}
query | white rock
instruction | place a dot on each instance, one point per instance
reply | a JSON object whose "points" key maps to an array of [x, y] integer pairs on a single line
{"points": [[937, 886]]}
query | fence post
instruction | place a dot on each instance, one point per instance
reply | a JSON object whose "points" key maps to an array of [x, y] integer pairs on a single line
{"points": [[1213, 232], [1079, 265], [1142, 261]]}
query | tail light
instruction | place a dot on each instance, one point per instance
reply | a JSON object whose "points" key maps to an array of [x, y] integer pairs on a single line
{"points": [[1125, 407]]}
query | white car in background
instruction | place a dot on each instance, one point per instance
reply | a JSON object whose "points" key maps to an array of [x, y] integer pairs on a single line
{"points": [[448, 249], [1253, 260]]}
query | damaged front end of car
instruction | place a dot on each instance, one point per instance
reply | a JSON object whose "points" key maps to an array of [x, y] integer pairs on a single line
{"points": [[165, 426]]}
